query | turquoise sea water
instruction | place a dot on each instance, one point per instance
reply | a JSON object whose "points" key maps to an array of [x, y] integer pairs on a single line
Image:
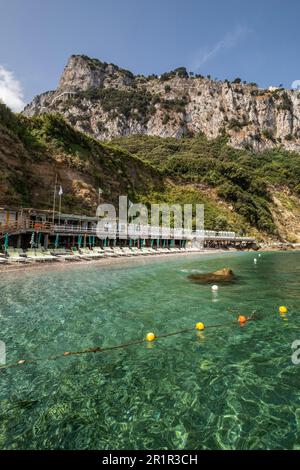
{"points": [[231, 388]]}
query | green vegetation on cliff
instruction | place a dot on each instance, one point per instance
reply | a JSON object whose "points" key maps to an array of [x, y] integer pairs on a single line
{"points": [[240, 177]]}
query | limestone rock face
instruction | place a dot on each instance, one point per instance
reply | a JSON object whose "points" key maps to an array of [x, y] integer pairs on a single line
{"points": [[107, 101], [222, 275]]}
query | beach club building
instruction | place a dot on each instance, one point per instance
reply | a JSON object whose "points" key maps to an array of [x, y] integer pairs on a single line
{"points": [[28, 227]]}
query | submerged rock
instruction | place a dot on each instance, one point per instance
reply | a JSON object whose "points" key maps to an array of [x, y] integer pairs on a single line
{"points": [[222, 275]]}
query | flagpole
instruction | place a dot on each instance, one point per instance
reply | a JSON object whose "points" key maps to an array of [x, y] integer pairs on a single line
{"points": [[54, 198], [59, 209], [60, 192], [99, 195]]}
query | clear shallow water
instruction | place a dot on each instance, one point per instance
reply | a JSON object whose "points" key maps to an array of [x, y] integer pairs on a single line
{"points": [[232, 388]]}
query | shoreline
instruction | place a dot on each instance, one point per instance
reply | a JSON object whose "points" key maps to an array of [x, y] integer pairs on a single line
{"points": [[121, 260], [109, 261]]}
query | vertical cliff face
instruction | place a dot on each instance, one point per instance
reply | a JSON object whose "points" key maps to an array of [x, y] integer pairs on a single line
{"points": [[106, 101]]}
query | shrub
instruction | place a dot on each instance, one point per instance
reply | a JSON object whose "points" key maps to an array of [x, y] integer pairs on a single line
{"points": [[166, 119]]}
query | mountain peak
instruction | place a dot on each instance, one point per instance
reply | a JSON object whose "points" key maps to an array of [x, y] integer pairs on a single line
{"points": [[107, 101], [83, 72]]}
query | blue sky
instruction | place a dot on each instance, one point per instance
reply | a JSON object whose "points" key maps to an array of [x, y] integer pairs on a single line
{"points": [[257, 41]]}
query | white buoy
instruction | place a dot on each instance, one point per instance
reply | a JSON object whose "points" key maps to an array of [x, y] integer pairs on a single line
{"points": [[259, 255], [215, 288], [255, 260]]}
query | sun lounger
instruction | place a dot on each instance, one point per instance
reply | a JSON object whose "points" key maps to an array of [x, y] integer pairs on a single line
{"points": [[80, 254], [145, 251], [163, 250], [14, 256], [131, 251], [64, 255], [90, 254], [48, 255], [36, 255], [119, 251], [174, 250], [152, 251], [108, 251], [98, 251]]}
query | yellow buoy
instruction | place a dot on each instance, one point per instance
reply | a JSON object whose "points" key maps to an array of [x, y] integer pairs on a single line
{"points": [[200, 326], [150, 337], [283, 310]]}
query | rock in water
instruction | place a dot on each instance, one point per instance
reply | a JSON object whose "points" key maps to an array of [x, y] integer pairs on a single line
{"points": [[222, 275]]}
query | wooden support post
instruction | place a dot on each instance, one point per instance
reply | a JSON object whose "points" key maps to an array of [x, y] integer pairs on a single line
{"points": [[46, 241], [19, 241]]}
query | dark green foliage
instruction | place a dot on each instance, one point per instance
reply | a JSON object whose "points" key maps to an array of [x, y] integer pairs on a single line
{"points": [[286, 102], [133, 103], [268, 134], [235, 124], [166, 119], [179, 72], [177, 104], [16, 123], [240, 176]]}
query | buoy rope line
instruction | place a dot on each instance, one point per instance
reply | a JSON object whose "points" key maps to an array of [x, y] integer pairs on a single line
{"points": [[200, 327]]}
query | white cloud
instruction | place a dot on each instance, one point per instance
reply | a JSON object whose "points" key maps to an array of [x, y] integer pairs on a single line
{"points": [[230, 40], [11, 92]]}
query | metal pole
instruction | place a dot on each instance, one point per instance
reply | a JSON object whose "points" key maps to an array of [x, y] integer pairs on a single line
{"points": [[54, 198], [59, 209], [99, 195]]}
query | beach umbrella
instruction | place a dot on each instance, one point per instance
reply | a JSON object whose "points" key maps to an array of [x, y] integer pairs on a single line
{"points": [[143, 242], [130, 242], [56, 244], [152, 243], [39, 239], [157, 242], [6, 242], [90, 241], [32, 240], [164, 244], [173, 243], [79, 241]]}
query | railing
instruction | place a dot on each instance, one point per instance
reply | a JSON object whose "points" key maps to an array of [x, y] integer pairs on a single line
{"points": [[20, 226], [121, 231]]}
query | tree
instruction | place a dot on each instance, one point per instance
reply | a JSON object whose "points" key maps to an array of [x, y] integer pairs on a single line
{"points": [[221, 223]]}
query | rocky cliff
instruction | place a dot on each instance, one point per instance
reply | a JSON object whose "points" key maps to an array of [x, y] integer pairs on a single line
{"points": [[107, 101]]}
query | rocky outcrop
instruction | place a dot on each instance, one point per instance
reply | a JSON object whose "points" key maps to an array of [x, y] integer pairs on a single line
{"points": [[220, 276], [106, 101]]}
